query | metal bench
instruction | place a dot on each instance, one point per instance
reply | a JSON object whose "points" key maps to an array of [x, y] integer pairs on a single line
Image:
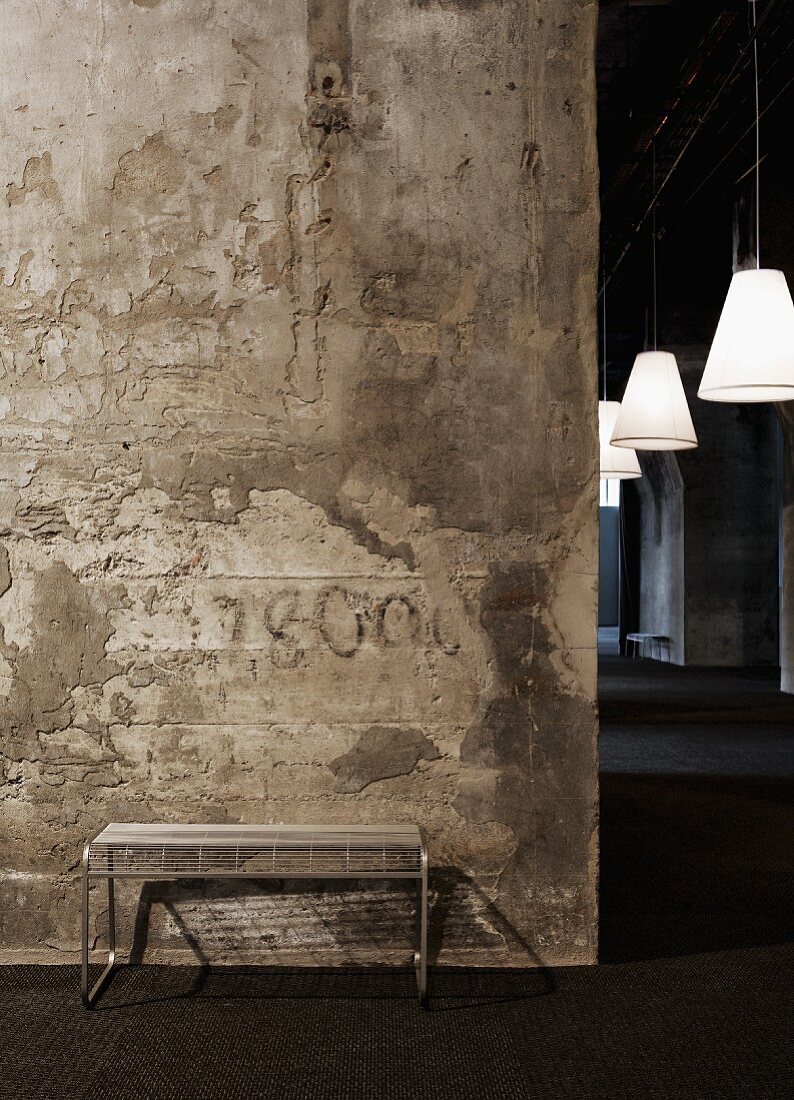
{"points": [[253, 851]]}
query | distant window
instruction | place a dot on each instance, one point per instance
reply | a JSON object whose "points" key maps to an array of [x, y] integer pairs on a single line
{"points": [[610, 492]]}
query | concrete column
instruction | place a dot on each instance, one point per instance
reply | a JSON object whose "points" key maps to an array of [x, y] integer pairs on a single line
{"points": [[299, 451], [662, 539], [786, 417]]}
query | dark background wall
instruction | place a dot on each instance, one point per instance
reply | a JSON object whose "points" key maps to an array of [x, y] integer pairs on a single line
{"points": [[608, 566], [730, 529], [709, 534], [777, 230]]}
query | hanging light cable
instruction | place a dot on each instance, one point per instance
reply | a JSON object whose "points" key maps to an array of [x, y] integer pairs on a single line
{"points": [[752, 354], [604, 332], [654, 415], [615, 462]]}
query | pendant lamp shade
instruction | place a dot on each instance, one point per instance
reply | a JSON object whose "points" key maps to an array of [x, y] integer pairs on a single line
{"points": [[752, 356], [616, 462], [654, 415]]}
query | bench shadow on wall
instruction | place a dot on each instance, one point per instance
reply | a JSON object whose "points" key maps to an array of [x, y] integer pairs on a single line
{"points": [[360, 922]]}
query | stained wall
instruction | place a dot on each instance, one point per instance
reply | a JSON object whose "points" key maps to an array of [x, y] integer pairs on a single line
{"points": [[297, 460]]}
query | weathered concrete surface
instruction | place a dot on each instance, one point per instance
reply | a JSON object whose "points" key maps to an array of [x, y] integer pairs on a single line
{"points": [[298, 477], [662, 558], [709, 539]]}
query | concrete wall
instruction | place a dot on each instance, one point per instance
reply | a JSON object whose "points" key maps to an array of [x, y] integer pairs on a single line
{"points": [[777, 235], [786, 420], [608, 566], [662, 566], [298, 471], [710, 534], [731, 529]]}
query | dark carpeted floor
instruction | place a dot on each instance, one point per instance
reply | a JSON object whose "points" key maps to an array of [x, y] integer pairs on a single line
{"points": [[693, 998], [710, 1025]]}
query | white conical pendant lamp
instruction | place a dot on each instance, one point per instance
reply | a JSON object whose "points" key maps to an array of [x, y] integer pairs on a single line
{"points": [[752, 355], [654, 415], [616, 462]]}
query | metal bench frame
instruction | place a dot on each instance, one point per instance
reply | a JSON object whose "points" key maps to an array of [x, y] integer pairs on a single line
{"points": [[305, 848], [640, 638]]}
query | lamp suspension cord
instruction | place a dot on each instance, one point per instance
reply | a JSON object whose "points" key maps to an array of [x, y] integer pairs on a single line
{"points": [[653, 246], [604, 327], [757, 149]]}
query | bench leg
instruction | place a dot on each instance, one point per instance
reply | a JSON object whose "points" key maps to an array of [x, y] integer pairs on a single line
{"points": [[420, 957], [89, 996]]}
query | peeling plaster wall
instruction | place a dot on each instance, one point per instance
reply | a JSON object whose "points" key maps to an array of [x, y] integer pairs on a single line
{"points": [[297, 466]]}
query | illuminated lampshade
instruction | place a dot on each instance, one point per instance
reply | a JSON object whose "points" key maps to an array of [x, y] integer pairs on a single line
{"points": [[654, 415], [618, 462], [752, 356]]}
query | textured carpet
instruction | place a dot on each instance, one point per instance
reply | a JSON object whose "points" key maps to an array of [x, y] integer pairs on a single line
{"points": [[693, 998], [700, 858], [702, 1026]]}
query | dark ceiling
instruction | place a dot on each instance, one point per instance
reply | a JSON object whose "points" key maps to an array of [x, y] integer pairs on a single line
{"points": [[675, 85]]}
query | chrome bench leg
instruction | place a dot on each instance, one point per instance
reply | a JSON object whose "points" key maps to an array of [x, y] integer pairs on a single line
{"points": [[89, 996], [420, 957]]}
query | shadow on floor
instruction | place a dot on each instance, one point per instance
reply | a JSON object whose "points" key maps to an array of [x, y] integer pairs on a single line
{"points": [[451, 988], [455, 899], [694, 863], [698, 859]]}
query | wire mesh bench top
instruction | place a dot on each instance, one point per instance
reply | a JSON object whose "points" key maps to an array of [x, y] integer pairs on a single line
{"points": [[159, 851], [283, 851]]}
